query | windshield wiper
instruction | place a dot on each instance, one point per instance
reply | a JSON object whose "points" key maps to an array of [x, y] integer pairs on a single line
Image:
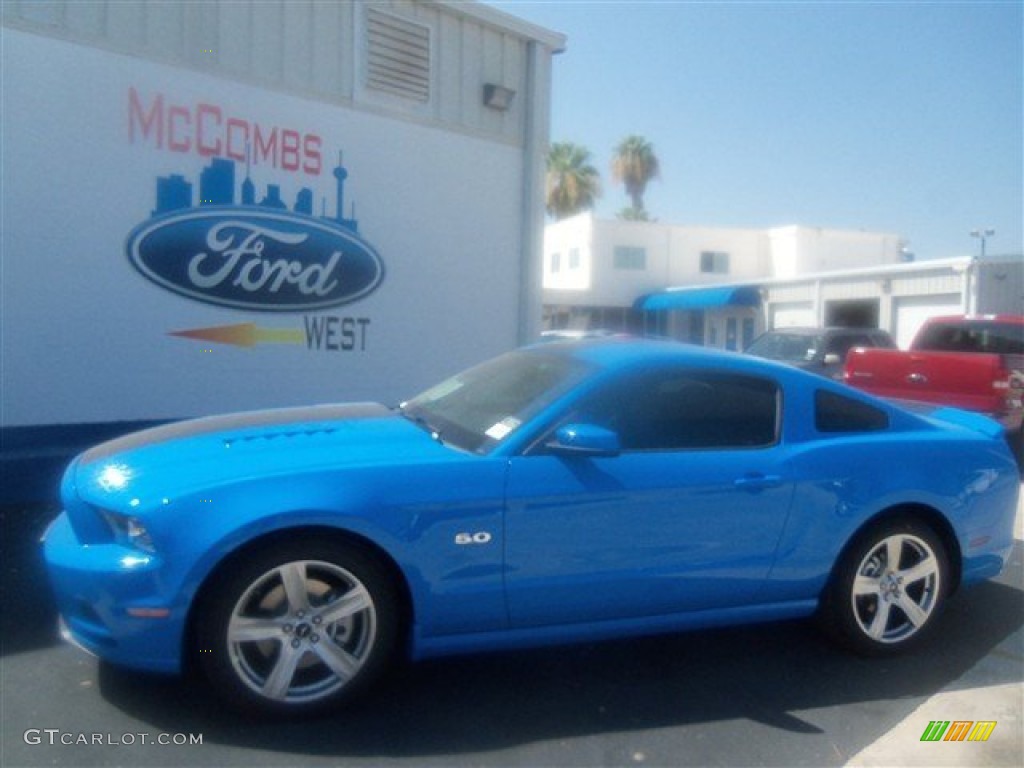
{"points": [[421, 422]]}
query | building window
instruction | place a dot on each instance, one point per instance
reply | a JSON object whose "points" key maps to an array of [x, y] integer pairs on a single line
{"points": [[574, 258], [629, 257], [714, 262], [556, 262]]}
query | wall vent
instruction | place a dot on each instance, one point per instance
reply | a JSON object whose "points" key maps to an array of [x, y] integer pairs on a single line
{"points": [[398, 56]]}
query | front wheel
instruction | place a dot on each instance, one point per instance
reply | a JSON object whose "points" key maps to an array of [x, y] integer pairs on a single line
{"points": [[298, 627], [888, 589]]}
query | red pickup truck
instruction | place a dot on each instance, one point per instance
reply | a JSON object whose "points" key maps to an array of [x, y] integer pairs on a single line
{"points": [[974, 362]]}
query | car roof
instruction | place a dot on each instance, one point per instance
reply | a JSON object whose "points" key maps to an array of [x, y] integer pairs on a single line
{"points": [[624, 352]]}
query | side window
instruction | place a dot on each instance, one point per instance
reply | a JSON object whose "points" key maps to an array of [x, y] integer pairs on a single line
{"points": [[836, 413], [686, 410]]}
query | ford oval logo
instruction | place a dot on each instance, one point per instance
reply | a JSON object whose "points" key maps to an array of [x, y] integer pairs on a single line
{"points": [[271, 261]]}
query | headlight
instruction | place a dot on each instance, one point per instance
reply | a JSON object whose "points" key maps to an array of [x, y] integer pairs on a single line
{"points": [[129, 531]]}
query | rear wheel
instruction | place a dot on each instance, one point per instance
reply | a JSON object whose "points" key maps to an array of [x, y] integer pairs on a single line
{"points": [[888, 589], [298, 627]]}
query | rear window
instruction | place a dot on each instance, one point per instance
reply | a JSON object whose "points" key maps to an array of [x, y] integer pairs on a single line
{"points": [[992, 338], [836, 413]]}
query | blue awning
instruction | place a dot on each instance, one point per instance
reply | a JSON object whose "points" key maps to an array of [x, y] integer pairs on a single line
{"points": [[701, 298]]}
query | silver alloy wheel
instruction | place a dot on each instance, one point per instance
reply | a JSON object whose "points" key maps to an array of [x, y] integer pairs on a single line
{"points": [[301, 631], [896, 588]]}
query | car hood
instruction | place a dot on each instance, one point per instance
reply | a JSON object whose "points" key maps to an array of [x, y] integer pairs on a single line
{"points": [[203, 453]]}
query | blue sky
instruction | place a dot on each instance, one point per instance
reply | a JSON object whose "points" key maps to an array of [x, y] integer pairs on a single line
{"points": [[900, 117]]}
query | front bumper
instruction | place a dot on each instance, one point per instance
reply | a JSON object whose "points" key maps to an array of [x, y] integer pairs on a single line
{"points": [[112, 601]]}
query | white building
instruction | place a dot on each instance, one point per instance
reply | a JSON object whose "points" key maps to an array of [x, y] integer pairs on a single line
{"points": [[896, 297], [212, 206], [610, 273], [415, 128]]}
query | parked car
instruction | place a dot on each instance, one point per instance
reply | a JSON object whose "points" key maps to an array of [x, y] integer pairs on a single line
{"points": [[569, 491], [819, 350], [974, 362]]}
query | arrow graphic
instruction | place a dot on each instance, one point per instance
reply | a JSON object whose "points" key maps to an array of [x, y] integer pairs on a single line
{"points": [[244, 335]]}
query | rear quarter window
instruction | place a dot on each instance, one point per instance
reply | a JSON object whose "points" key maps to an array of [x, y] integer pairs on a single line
{"points": [[836, 413]]}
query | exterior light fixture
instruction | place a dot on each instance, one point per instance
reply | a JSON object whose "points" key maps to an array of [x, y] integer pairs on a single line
{"points": [[498, 96]]}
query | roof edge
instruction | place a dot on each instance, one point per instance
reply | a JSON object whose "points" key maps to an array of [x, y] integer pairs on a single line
{"points": [[486, 14]]}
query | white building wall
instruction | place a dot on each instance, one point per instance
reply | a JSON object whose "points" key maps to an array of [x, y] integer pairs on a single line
{"points": [[800, 250], [613, 285], [673, 256], [104, 101], [747, 250], [568, 255]]}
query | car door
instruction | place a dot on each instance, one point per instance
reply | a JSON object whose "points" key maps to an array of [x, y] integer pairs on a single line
{"points": [[686, 518]]}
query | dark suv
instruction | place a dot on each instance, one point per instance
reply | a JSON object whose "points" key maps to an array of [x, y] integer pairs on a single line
{"points": [[820, 350]]}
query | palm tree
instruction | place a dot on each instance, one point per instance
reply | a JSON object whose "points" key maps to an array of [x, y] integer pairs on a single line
{"points": [[573, 184], [635, 164]]}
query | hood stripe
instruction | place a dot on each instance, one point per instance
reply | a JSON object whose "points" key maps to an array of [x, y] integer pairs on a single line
{"points": [[233, 423]]}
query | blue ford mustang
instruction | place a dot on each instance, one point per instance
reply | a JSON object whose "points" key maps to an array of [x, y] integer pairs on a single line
{"points": [[569, 491]]}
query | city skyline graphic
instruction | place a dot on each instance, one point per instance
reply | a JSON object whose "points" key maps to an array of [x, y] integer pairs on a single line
{"points": [[217, 188]]}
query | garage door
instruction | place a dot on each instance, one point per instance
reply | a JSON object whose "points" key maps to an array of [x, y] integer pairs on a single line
{"points": [[792, 315], [911, 313]]}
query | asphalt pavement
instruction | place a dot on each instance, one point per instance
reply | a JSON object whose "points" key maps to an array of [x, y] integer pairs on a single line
{"points": [[775, 694]]}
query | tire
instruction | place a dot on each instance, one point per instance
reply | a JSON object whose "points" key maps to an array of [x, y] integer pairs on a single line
{"points": [[298, 627], [877, 607]]}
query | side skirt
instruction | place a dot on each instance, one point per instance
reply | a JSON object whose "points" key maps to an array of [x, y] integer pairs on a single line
{"points": [[531, 637]]}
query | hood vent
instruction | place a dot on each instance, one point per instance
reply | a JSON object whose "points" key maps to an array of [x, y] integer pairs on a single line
{"points": [[284, 434]]}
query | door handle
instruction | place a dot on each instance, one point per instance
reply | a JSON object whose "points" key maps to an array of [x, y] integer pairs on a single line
{"points": [[758, 482]]}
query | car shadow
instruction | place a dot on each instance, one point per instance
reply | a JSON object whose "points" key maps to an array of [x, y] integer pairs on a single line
{"points": [[766, 675], [28, 612]]}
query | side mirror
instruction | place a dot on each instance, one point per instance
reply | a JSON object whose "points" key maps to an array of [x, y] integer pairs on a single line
{"points": [[832, 359], [585, 440]]}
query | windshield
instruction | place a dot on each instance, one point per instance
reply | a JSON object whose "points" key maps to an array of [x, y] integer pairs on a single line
{"points": [[479, 408], [790, 347]]}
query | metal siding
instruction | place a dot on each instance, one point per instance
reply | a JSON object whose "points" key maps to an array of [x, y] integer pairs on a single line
{"points": [[449, 65], [201, 34], [310, 47], [491, 71], [472, 54], [927, 284], [297, 48], [88, 20], [1001, 288], [165, 29], [234, 38], [126, 21], [856, 289], [514, 66], [266, 41], [328, 49], [40, 12]]}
